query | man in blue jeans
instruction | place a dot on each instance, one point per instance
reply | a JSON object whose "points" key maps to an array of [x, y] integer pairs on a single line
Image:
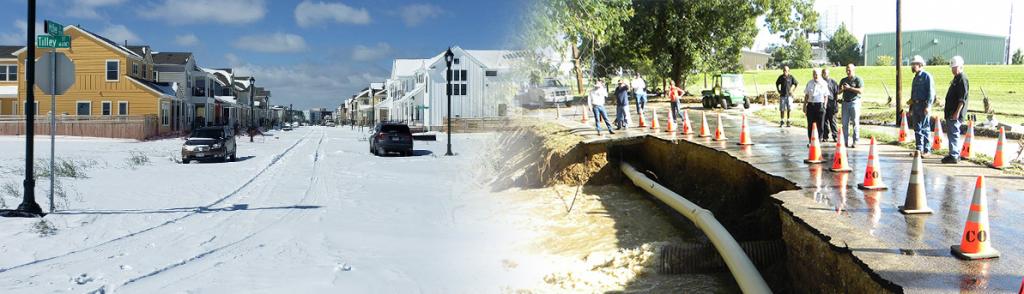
{"points": [[596, 101], [922, 95], [851, 87], [639, 87], [956, 108]]}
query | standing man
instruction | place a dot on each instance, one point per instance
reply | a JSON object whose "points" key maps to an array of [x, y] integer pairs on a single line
{"points": [[639, 87], [956, 108], [621, 105], [673, 97], [596, 102], [851, 87], [922, 95], [814, 104], [829, 126], [786, 85]]}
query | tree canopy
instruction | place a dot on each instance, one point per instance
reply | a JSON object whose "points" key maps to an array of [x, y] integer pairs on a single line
{"points": [[843, 48]]}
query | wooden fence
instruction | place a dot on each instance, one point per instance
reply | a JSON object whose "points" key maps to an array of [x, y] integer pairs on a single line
{"points": [[127, 127]]}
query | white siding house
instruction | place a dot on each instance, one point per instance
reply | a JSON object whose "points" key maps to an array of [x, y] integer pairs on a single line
{"points": [[481, 87]]}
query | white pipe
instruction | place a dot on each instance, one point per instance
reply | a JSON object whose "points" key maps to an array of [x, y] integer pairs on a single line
{"points": [[739, 264]]}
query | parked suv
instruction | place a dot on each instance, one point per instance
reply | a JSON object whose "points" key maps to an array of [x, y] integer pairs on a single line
{"points": [[391, 137], [209, 143], [546, 94]]}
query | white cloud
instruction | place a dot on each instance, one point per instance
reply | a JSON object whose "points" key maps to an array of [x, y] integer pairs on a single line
{"points": [[119, 34], [365, 53], [309, 85], [203, 11], [309, 14], [17, 37], [186, 40], [415, 14], [88, 8], [272, 43]]}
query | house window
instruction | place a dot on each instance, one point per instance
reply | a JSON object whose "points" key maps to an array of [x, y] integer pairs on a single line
{"points": [[122, 108], [464, 75], [12, 72], [135, 68], [145, 71], [165, 113], [491, 73], [156, 76], [84, 108], [456, 61], [113, 70], [463, 86], [105, 109]]}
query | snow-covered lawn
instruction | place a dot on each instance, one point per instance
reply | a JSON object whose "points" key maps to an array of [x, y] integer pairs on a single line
{"points": [[310, 211]]}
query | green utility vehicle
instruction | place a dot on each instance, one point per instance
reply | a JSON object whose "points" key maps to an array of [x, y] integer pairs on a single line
{"points": [[727, 92]]}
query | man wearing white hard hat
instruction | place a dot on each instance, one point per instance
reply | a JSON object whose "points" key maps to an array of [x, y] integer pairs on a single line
{"points": [[956, 108], [922, 95]]}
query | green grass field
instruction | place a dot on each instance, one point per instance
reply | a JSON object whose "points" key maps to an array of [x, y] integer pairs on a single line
{"points": [[1003, 84]]}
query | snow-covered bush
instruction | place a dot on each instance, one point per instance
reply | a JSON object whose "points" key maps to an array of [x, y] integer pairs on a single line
{"points": [[44, 228], [137, 159]]}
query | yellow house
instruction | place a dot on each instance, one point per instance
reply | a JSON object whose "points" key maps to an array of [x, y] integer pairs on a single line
{"points": [[112, 81], [8, 79]]}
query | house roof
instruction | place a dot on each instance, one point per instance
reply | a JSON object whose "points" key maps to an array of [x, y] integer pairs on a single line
{"points": [[161, 88], [103, 40], [493, 58], [171, 57], [407, 67], [260, 92], [139, 49], [8, 51], [222, 76]]}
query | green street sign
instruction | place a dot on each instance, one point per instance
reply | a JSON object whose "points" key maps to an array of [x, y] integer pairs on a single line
{"points": [[48, 41], [53, 28]]}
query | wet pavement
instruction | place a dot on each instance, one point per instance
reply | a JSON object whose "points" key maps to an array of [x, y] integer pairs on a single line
{"points": [[912, 251]]}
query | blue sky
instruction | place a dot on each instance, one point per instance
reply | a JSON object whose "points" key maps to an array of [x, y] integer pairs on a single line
{"points": [[310, 53]]}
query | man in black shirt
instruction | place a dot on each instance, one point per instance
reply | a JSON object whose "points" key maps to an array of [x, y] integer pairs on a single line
{"points": [[956, 108], [829, 127], [785, 84]]}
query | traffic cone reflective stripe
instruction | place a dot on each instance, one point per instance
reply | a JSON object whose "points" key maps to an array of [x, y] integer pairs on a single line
{"points": [[704, 132], [916, 201], [839, 161], [873, 173], [720, 131], [904, 130], [937, 143], [965, 152], [654, 119], [686, 123], [815, 152], [999, 161], [744, 133], [977, 239]]}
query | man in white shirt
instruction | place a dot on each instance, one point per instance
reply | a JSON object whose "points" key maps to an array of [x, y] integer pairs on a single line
{"points": [[639, 87], [814, 104], [596, 101]]}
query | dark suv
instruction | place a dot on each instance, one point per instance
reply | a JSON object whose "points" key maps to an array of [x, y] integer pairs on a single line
{"points": [[216, 143], [391, 137]]}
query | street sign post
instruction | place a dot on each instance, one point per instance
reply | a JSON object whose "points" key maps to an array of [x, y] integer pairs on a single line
{"points": [[56, 76]]}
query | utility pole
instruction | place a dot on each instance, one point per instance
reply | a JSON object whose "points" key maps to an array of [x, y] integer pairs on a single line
{"points": [[899, 62], [1009, 35], [28, 206]]}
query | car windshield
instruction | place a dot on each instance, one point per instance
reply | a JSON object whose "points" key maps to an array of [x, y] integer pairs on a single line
{"points": [[552, 83], [401, 129], [732, 81], [208, 133]]}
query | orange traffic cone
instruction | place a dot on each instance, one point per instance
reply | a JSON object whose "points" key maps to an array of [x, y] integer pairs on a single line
{"points": [[937, 143], [642, 118], [704, 132], [670, 124], [584, 120], [654, 120], [976, 242], [916, 202], [720, 131], [965, 152], [815, 155], [839, 161], [999, 162], [904, 130], [686, 123], [744, 133], [873, 173]]}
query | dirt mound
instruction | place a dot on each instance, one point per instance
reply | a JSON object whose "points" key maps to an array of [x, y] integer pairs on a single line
{"points": [[542, 154]]}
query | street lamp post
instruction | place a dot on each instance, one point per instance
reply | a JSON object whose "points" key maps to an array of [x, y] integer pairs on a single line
{"points": [[28, 206], [448, 57]]}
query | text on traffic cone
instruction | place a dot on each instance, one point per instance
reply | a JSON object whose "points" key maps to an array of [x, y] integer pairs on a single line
{"points": [[873, 173], [839, 161], [976, 242]]}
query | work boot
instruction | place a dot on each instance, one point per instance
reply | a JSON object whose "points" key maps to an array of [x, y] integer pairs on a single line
{"points": [[611, 132], [782, 123], [950, 160], [788, 124]]}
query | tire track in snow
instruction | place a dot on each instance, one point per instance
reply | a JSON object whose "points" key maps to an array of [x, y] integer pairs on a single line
{"points": [[272, 163], [312, 180]]}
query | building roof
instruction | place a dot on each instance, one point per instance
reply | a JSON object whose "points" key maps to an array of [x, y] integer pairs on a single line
{"points": [[139, 49], [260, 92], [8, 51], [178, 58], [223, 77], [162, 88], [938, 31], [407, 67], [493, 58], [105, 40]]}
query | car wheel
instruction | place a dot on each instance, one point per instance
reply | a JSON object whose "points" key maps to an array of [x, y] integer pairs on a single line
{"points": [[234, 156], [185, 161]]}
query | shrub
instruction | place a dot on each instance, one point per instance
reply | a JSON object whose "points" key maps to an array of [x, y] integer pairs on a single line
{"points": [[884, 60], [938, 60], [136, 159]]}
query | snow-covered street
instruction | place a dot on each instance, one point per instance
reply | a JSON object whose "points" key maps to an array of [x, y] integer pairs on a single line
{"points": [[308, 211]]}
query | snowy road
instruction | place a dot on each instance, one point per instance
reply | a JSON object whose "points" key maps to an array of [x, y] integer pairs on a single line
{"points": [[309, 211]]}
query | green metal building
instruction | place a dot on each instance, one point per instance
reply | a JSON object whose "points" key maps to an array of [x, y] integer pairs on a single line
{"points": [[974, 48]]}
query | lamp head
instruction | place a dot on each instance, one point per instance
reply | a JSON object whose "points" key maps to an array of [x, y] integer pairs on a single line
{"points": [[449, 56]]}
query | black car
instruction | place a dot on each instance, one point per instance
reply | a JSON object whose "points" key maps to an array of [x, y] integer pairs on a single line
{"points": [[209, 143], [391, 137]]}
